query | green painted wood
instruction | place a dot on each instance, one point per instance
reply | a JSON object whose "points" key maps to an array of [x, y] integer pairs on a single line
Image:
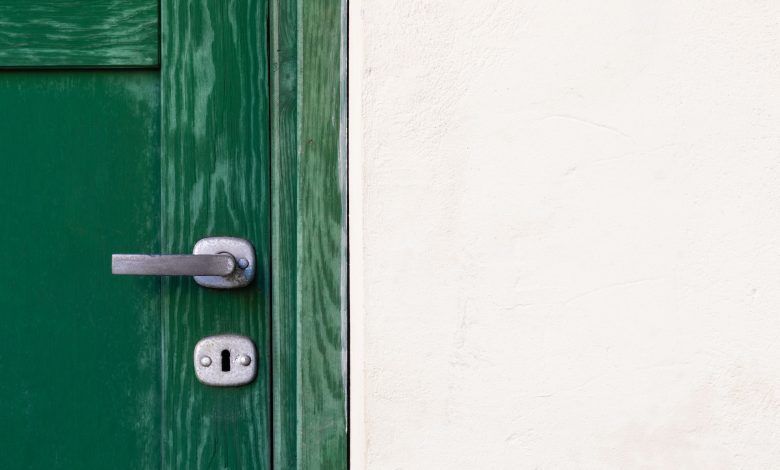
{"points": [[70, 33], [215, 164], [86, 182], [284, 199], [79, 356], [309, 235]]}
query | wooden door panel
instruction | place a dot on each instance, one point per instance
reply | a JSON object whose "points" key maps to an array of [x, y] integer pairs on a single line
{"points": [[79, 356]]}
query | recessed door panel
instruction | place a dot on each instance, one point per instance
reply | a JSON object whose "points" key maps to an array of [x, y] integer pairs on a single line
{"points": [[79, 349]]}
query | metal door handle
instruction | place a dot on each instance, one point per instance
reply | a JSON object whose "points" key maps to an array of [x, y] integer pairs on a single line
{"points": [[173, 265], [218, 262]]}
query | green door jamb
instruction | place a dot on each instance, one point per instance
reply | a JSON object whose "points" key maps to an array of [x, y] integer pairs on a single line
{"points": [[309, 234]]}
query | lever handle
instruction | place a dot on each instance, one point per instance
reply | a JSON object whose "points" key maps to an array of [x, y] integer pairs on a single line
{"points": [[173, 265], [218, 262]]}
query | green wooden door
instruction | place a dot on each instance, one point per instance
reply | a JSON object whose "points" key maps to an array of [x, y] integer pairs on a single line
{"points": [[132, 126]]}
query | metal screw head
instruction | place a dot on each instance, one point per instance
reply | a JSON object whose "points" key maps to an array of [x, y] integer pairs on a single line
{"points": [[244, 360], [205, 361], [243, 263]]}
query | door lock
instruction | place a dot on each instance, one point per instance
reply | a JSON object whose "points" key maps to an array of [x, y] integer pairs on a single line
{"points": [[217, 262], [225, 360]]}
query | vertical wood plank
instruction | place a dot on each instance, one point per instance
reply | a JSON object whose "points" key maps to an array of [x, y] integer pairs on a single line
{"points": [[322, 237], [215, 169], [284, 201], [309, 236]]}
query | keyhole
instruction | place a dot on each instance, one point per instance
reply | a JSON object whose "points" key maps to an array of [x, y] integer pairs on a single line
{"points": [[225, 360]]}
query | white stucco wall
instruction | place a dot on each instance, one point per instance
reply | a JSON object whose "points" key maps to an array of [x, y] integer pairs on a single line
{"points": [[565, 234]]}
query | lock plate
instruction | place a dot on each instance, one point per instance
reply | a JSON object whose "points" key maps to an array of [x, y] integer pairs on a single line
{"points": [[225, 360]]}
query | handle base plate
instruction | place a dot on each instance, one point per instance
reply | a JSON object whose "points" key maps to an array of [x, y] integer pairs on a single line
{"points": [[240, 249]]}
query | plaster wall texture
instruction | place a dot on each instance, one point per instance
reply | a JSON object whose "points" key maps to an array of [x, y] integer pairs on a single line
{"points": [[565, 234]]}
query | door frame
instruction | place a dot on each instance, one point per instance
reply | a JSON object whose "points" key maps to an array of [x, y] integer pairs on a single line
{"points": [[309, 272]]}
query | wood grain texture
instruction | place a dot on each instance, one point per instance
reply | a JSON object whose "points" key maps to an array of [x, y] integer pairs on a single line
{"points": [[70, 33], [309, 236], [215, 169], [284, 200]]}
